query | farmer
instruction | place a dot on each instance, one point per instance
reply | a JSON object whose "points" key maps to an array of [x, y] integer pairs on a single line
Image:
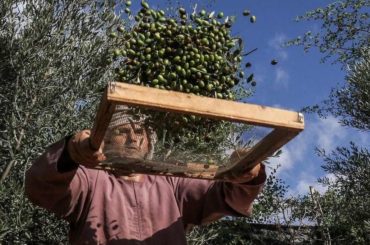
{"points": [[104, 208]]}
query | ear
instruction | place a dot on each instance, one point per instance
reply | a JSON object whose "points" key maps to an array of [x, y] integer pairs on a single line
{"points": [[152, 140]]}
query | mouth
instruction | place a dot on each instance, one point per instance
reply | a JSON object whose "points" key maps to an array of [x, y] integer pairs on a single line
{"points": [[131, 148]]}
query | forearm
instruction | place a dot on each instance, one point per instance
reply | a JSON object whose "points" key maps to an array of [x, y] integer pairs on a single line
{"points": [[204, 201], [53, 181], [240, 196]]}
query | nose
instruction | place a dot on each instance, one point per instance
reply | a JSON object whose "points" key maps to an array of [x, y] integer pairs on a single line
{"points": [[132, 137]]}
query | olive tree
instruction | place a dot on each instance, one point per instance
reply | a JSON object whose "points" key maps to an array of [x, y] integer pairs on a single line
{"points": [[53, 65], [344, 36]]}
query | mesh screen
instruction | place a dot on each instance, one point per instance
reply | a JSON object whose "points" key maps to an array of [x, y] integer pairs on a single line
{"points": [[151, 141]]}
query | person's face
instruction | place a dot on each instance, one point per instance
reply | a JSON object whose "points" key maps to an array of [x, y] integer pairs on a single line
{"points": [[129, 140]]}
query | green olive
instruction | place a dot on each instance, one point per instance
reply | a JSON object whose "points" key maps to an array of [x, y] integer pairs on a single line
{"points": [[182, 11], [220, 15], [246, 12], [253, 19], [144, 4], [112, 34]]}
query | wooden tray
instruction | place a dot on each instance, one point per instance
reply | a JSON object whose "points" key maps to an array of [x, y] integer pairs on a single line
{"points": [[286, 125]]}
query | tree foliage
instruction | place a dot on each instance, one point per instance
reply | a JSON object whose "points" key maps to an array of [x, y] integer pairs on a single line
{"points": [[342, 211], [344, 31], [344, 36], [348, 210], [350, 103], [52, 68]]}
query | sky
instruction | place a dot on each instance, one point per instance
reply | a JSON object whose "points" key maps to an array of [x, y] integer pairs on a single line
{"points": [[298, 80]]}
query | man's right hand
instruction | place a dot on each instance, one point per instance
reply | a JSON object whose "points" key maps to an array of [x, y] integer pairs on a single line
{"points": [[80, 150]]}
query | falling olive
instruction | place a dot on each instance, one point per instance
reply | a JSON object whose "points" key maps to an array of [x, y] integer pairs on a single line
{"points": [[246, 12], [274, 62], [253, 19]]}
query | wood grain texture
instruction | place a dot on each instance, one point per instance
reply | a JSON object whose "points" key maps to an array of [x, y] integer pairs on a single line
{"points": [[103, 116], [203, 106]]}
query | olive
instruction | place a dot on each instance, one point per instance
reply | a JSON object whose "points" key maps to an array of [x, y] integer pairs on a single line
{"points": [[117, 52], [182, 11], [144, 4], [157, 36], [253, 19], [250, 78], [246, 12], [112, 34]]}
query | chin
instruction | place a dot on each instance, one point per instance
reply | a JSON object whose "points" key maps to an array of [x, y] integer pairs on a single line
{"points": [[123, 152], [131, 153]]}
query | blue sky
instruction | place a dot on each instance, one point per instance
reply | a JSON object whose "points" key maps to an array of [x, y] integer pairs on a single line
{"points": [[298, 80]]}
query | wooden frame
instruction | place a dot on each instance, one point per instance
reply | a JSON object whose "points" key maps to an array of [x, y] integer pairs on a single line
{"points": [[286, 125]]}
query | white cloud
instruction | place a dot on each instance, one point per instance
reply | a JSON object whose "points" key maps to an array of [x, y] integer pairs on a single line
{"points": [[276, 43], [307, 180], [279, 53], [281, 77], [303, 186], [329, 133], [292, 153], [300, 165]]}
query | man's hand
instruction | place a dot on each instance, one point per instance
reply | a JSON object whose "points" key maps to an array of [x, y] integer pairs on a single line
{"points": [[80, 150], [249, 174]]}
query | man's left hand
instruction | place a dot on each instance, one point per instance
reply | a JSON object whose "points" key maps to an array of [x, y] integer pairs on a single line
{"points": [[249, 174]]}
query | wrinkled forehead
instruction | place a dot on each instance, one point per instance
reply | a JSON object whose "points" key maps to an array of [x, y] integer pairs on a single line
{"points": [[130, 125]]}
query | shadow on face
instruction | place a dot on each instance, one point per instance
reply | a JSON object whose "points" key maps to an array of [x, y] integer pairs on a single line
{"points": [[129, 140]]}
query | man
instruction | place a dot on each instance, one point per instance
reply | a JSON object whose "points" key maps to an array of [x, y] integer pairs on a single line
{"points": [[103, 208]]}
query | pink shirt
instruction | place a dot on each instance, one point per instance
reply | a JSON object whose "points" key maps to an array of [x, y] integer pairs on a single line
{"points": [[103, 209]]}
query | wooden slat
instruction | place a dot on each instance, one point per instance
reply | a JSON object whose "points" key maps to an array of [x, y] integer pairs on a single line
{"points": [[187, 170], [258, 153], [204, 106], [102, 119]]}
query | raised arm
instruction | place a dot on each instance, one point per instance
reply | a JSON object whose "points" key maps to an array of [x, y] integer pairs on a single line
{"points": [[59, 184], [204, 201]]}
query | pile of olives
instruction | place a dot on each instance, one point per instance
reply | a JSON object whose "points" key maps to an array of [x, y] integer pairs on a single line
{"points": [[186, 52], [191, 52]]}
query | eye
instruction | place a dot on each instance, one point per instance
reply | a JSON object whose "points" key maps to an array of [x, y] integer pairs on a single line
{"points": [[120, 131], [139, 131]]}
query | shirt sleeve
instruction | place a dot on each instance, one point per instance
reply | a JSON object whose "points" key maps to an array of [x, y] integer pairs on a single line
{"points": [[204, 201], [59, 185]]}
